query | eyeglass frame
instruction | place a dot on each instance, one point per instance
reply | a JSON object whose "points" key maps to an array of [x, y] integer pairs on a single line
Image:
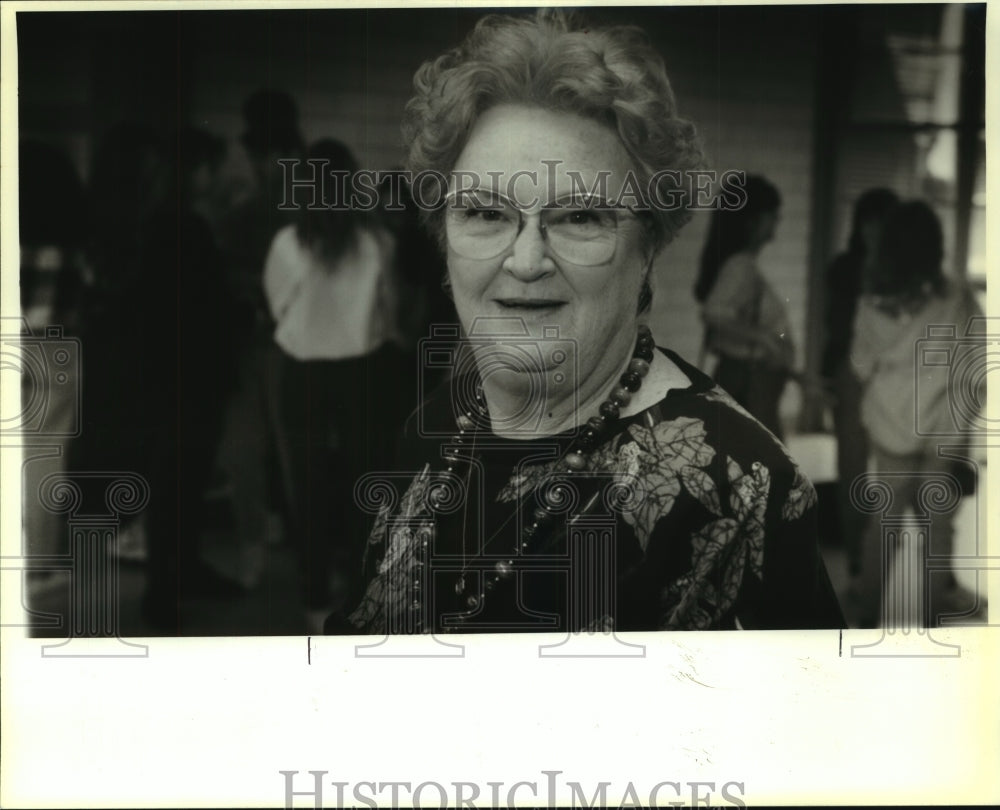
{"points": [[600, 204]]}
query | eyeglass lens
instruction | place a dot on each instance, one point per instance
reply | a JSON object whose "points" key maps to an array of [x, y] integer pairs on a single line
{"points": [[481, 225]]}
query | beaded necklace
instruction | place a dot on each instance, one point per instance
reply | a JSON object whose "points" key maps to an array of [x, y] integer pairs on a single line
{"points": [[574, 460]]}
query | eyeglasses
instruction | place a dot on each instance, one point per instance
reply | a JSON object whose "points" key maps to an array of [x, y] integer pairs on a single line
{"points": [[482, 224]]}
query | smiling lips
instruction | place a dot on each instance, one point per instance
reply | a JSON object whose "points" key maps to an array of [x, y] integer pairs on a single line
{"points": [[529, 303]]}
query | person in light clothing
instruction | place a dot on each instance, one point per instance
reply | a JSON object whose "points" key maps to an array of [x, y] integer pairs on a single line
{"points": [[906, 292], [328, 281]]}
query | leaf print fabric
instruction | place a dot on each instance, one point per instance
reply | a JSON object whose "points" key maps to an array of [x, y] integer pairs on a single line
{"points": [[654, 460]]}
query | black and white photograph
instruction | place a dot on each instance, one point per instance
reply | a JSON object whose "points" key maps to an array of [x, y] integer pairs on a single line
{"points": [[421, 371]]}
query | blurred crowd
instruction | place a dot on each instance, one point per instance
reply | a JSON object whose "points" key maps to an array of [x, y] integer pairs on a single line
{"points": [[232, 349]]}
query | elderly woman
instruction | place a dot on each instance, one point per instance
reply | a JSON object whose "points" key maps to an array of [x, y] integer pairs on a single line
{"points": [[571, 475]]}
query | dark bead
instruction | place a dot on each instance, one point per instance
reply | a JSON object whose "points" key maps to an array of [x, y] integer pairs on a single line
{"points": [[645, 354], [643, 329], [588, 439], [621, 396], [639, 366], [631, 380], [610, 410], [597, 424]]}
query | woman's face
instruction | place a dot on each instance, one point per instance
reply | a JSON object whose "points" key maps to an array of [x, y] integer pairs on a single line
{"points": [[531, 282]]}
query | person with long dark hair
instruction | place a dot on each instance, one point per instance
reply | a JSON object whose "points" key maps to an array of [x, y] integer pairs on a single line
{"points": [[328, 280], [746, 324], [904, 416], [843, 288]]}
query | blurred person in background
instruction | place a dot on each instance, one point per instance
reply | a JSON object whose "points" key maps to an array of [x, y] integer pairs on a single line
{"points": [[158, 356], [905, 292], [252, 467], [126, 194], [420, 273], [201, 157], [746, 323], [271, 133], [843, 288], [330, 286], [253, 457], [50, 202]]}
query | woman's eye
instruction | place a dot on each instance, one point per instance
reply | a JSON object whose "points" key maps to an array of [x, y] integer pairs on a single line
{"points": [[486, 214], [579, 218], [583, 217]]}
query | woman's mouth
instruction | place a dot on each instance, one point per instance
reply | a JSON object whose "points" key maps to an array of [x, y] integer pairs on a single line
{"points": [[533, 304]]}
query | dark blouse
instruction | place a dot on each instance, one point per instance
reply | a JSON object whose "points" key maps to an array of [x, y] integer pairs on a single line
{"points": [[690, 516]]}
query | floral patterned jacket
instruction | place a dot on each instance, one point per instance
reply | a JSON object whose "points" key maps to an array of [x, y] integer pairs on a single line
{"points": [[692, 516]]}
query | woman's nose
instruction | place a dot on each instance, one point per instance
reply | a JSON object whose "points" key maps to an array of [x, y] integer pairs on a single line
{"points": [[529, 257]]}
